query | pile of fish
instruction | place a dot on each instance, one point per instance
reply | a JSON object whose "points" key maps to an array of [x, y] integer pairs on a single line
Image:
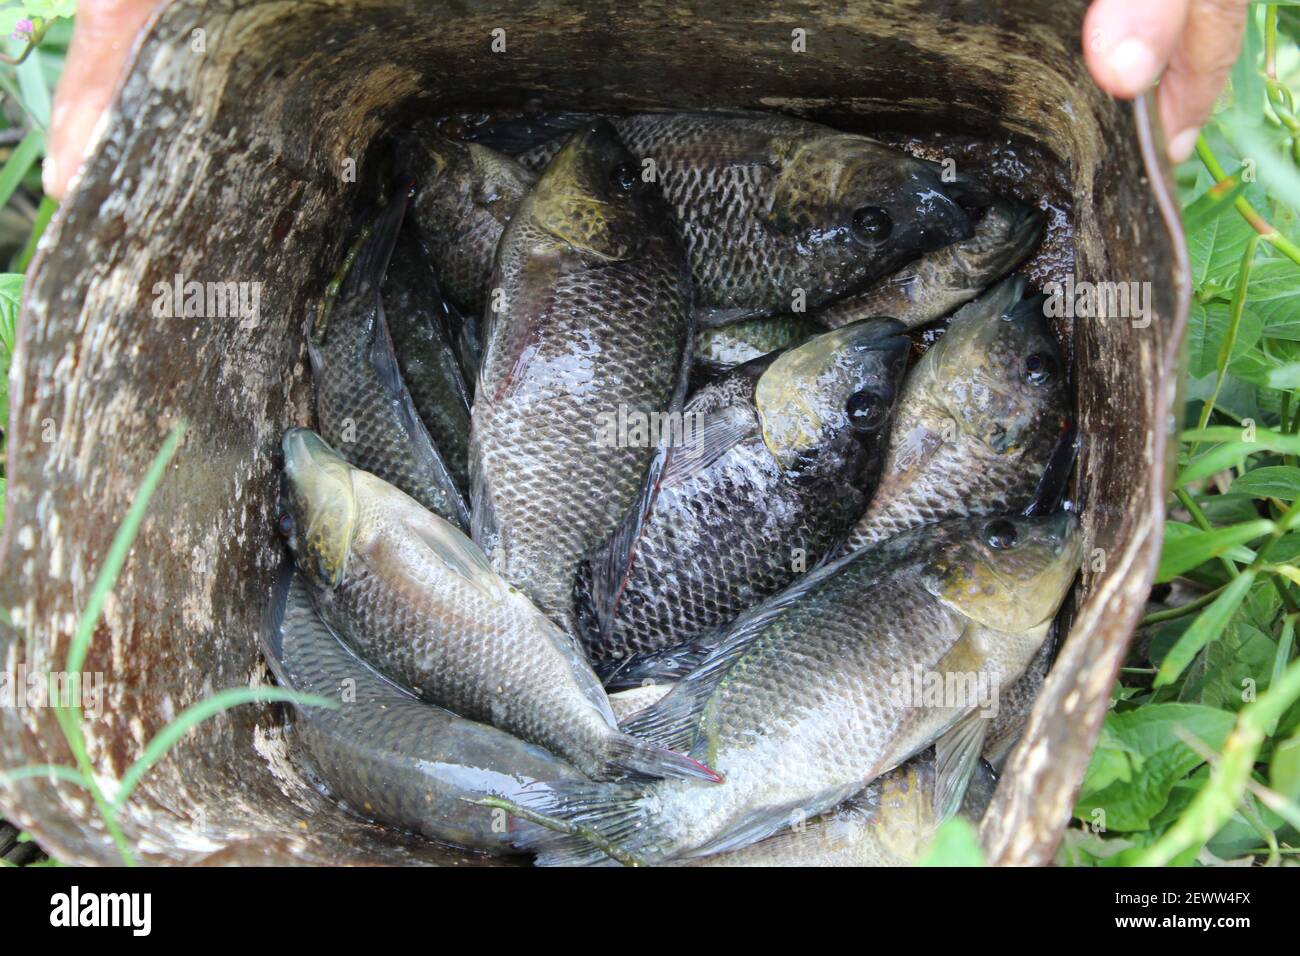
{"points": [[633, 528]]}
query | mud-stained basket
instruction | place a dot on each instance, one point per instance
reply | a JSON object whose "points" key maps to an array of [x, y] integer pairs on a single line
{"points": [[225, 159]]}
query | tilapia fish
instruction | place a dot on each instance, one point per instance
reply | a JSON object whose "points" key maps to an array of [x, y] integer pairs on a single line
{"points": [[720, 347], [593, 331], [465, 196], [891, 822], [424, 341], [978, 419], [389, 756], [781, 459], [362, 405], [413, 596], [831, 684], [1006, 232], [775, 209]]}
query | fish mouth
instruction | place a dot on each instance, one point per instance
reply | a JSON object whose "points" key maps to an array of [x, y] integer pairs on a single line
{"points": [[303, 448]]}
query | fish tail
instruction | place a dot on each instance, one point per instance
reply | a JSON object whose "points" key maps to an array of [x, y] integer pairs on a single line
{"points": [[365, 271], [626, 755], [585, 824]]}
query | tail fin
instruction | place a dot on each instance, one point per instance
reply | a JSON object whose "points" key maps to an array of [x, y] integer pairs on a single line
{"points": [[587, 824], [628, 756], [366, 271]]}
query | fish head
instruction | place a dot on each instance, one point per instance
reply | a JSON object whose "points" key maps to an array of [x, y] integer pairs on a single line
{"points": [[1008, 573], [1006, 232], [593, 196], [836, 388], [997, 373], [465, 184], [857, 210], [320, 507]]}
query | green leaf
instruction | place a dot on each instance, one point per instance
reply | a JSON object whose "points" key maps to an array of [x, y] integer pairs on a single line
{"points": [[1284, 770], [25, 154], [1215, 252], [1183, 551], [1271, 481], [1232, 449], [1274, 296], [955, 843], [1214, 202], [1148, 739], [1207, 327], [1231, 671], [1209, 624]]}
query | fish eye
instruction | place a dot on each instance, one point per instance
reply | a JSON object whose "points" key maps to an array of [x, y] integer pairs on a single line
{"points": [[285, 524], [865, 411], [1000, 534], [872, 224], [1039, 368], [623, 177]]}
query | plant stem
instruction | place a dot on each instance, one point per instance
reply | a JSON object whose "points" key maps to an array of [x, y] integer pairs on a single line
{"points": [[1257, 222]]}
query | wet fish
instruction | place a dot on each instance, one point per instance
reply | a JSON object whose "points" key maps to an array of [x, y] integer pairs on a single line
{"points": [[423, 339], [772, 208], [891, 822], [781, 460], [466, 194], [362, 405], [413, 596], [720, 347], [977, 422], [388, 755], [829, 685], [594, 327], [1006, 232]]}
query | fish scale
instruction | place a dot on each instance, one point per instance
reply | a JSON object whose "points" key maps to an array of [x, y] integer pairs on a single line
{"points": [[723, 534], [722, 174], [798, 707], [580, 337], [390, 756]]}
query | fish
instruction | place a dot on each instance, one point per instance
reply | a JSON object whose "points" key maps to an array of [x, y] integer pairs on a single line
{"points": [[978, 419], [363, 407], [891, 822], [928, 288], [595, 326], [384, 753], [780, 461], [828, 685], [776, 210], [465, 196], [412, 595], [720, 347], [424, 342]]}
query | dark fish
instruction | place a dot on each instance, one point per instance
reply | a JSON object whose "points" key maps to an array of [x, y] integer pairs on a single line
{"points": [[362, 405], [426, 353], [389, 756], [466, 193], [774, 209], [830, 684], [781, 459], [977, 422], [417, 599], [1006, 232], [594, 326]]}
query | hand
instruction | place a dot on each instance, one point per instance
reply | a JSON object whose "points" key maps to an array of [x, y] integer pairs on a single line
{"points": [[1127, 44], [104, 33]]}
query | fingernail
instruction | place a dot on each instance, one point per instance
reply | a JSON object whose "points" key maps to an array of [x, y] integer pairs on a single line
{"points": [[1181, 146], [1134, 64], [49, 174]]}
